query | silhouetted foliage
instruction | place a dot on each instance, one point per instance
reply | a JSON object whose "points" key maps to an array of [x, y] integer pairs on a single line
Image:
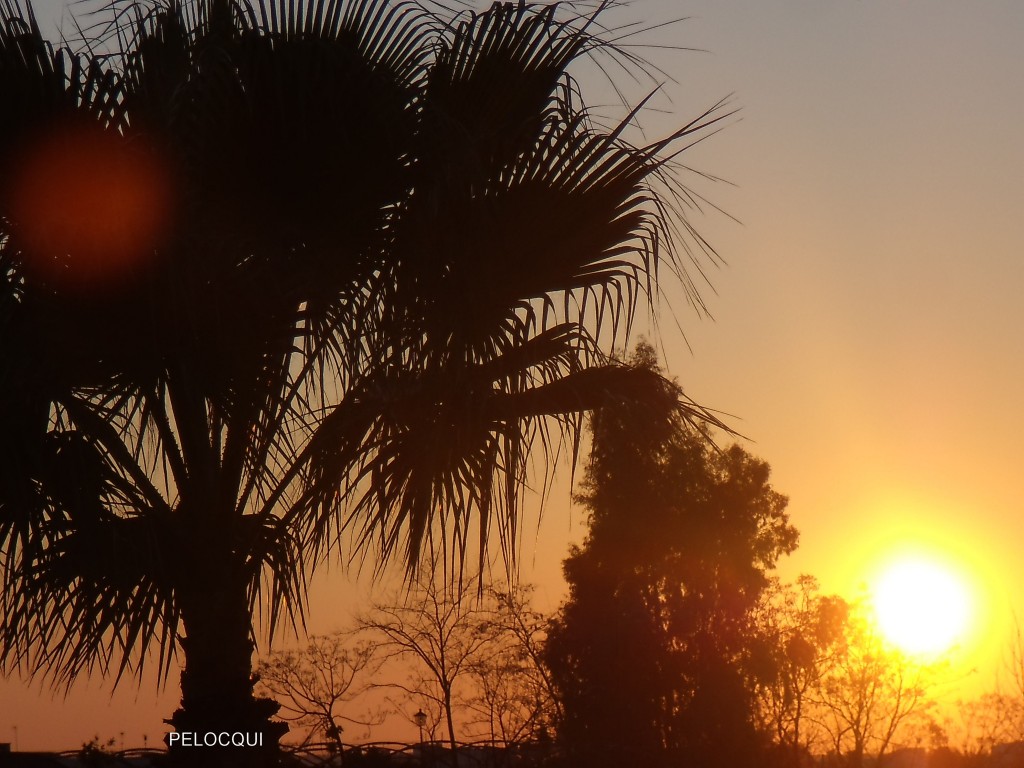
{"points": [[276, 276], [870, 693], [442, 631], [655, 653], [978, 726], [514, 700], [318, 685], [99, 754], [806, 633], [447, 650], [981, 727], [837, 690]]}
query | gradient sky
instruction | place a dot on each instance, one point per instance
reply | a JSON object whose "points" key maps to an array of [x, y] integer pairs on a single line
{"points": [[867, 331]]}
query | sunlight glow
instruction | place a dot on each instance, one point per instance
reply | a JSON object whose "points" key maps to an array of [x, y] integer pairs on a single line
{"points": [[922, 605]]}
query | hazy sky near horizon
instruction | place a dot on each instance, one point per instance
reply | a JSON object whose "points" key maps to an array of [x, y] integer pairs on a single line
{"points": [[867, 332]]}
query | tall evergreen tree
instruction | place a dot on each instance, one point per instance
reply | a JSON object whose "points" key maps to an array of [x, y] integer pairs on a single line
{"points": [[655, 652]]}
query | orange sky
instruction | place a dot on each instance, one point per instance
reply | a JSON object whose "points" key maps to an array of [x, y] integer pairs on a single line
{"points": [[868, 326]]}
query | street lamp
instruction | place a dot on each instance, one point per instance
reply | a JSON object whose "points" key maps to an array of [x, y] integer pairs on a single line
{"points": [[420, 718]]}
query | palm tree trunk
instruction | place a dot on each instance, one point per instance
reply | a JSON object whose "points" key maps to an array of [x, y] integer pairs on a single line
{"points": [[220, 721]]}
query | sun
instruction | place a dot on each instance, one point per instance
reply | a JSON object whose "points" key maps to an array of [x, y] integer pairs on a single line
{"points": [[922, 605]]}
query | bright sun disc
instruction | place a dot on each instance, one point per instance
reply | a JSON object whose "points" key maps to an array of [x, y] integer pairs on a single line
{"points": [[921, 606]]}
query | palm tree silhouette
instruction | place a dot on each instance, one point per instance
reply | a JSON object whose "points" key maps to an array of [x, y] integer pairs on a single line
{"points": [[283, 277]]}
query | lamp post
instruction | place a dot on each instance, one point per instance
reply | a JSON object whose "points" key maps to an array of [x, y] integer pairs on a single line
{"points": [[420, 718]]}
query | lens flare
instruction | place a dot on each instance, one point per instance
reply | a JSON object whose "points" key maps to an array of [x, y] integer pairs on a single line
{"points": [[89, 206]]}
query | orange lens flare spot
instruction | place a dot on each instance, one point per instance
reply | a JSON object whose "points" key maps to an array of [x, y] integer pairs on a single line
{"points": [[89, 206]]}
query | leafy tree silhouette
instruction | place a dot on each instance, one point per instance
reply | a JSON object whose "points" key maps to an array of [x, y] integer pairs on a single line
{"points": [[871, 692], [807, 636], [656, 652], [280, 276]]}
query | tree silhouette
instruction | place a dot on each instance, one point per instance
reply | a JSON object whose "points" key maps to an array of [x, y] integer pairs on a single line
{"points": [[806, 632], [870, 693], [655, 652], [443, 631], [282, 276], [514, 700], [317, 685], [979, 726]]}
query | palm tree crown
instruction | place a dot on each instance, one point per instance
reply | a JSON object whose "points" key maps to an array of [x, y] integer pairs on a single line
{"points": [[279, 276]]}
